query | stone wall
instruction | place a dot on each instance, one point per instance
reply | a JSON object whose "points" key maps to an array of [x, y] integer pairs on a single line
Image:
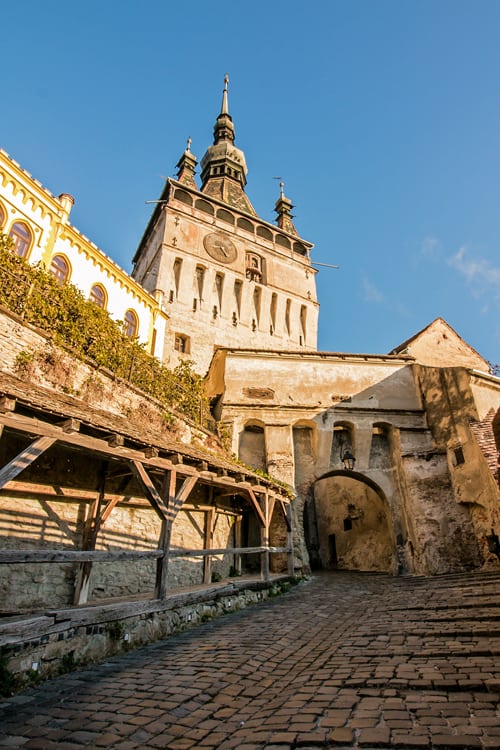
{"points": [[30, 354], [415, 432]]}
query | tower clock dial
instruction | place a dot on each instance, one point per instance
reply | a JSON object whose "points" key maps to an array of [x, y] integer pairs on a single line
{"points": [[220, 247]]}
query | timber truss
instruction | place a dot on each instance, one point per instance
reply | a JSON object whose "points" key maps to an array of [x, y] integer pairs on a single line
{"points": [[167, 475]]}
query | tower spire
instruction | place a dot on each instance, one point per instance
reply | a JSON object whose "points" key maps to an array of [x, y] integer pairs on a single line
{"points": [[223, 167]]}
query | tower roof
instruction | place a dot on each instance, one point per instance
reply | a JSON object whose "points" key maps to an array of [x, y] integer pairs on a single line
{"points": [[283, 209], [223, 167]]}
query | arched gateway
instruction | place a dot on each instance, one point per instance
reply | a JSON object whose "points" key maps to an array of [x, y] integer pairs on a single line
{"points": [[354, 522]]}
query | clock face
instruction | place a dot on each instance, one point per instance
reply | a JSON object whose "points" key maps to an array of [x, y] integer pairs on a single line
{"points": [[220, 247]]}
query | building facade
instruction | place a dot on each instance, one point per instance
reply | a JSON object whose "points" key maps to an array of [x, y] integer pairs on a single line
{"points": [[225, 276], [394, 458], [38, 223]]}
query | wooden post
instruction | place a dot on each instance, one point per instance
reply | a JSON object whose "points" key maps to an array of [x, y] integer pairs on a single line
{"points": [[238, 543], [167, 497], [89, 537], [208, 543], [264, 536], [289, 518]]}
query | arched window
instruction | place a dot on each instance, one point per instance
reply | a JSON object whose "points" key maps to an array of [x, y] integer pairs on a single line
{"points": [[22, 238], [60, 269], [98, 296], [131, 324]]}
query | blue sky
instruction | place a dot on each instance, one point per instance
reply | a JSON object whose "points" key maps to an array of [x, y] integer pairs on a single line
{"points": [[381, 116]]}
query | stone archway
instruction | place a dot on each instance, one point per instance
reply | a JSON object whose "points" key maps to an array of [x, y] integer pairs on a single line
{"points": [[354, 521]]}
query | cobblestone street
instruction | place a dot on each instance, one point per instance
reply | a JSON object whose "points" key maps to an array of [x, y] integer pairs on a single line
{"points": [[343, 660]]}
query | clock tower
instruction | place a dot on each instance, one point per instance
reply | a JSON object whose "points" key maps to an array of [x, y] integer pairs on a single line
{"points": [[225, 277]]}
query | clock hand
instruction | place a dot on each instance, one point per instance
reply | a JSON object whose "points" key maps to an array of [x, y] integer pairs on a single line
{"points": [[221, 247]]}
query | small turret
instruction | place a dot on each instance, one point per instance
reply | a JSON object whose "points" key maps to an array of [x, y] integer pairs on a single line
{"points": [[186, 167], [283, 208]]}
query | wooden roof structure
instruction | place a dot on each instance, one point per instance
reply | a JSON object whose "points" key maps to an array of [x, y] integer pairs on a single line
{"points": [[166, 470]]}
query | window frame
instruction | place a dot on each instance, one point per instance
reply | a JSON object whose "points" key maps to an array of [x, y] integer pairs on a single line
{"points": [[58, 275], [27, 240], [92, 297], [131, 320]]}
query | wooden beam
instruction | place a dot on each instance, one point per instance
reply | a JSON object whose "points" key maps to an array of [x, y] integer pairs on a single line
{"points": [[116, 441], [8, 556], [149, 488], [30, 556], [33, 426], [256, 506], [226, 551], [70, 425], [25, 459], [285, 508], [7, 403]]}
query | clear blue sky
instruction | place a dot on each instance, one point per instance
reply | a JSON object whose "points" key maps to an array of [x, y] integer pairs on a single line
{"points": [[382, 117]]}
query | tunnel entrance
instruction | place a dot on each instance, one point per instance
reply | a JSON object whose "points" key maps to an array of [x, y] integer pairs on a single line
{"points": [[354, 524]]}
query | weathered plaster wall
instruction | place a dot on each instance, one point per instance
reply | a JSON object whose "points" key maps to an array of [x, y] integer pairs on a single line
{"points": [[403, 422]]}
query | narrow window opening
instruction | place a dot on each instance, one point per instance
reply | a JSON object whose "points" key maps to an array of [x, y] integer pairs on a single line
{"points": [[238, 285], [287, 315], [177, 275]]}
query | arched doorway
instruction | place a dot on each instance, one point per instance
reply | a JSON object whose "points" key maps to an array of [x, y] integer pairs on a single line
{"points": [[355, 529]]}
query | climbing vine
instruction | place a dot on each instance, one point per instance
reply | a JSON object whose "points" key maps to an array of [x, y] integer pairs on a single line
{"points": [[90, 333]]}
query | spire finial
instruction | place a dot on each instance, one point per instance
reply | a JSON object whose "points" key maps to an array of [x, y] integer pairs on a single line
{"points": [[224, 110], [188, 144], [282, 189]]}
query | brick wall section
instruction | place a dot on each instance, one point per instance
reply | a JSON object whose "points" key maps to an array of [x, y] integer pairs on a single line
{"points": [[485, 437]]}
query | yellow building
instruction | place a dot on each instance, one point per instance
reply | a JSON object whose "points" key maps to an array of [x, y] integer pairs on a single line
{"points": [[38, 223]]}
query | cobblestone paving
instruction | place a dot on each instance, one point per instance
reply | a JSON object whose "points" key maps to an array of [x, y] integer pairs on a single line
{"points": [[343, 660]]}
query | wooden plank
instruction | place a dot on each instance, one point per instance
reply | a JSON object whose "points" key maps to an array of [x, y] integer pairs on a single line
{"points": [[25, 459], [9, 556], [225, 551]]}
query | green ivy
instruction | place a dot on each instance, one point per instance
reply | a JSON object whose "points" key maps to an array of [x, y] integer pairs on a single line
{"points": [[89, 332]]}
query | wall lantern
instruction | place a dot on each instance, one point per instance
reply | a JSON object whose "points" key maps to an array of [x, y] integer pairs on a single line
{"points": [[348, 460]]}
